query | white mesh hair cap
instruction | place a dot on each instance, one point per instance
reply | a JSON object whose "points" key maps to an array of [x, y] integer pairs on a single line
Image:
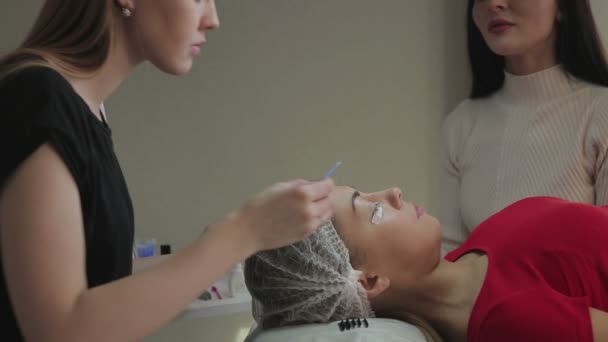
{"points": [[310, 281]]}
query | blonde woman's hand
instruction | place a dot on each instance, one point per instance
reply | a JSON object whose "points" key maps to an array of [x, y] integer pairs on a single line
{"points": [[286, 213]]}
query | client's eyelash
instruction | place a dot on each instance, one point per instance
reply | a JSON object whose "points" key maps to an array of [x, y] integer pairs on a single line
{"points": [[377, 214], [346, 324]]}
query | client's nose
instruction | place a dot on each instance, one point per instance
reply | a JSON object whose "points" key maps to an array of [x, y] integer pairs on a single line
{"points": [[394, 197]]}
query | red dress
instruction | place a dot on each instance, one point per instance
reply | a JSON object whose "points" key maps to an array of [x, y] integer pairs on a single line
{"points": [[547, 266]]}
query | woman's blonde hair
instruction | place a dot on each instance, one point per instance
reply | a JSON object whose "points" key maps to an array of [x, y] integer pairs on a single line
{"points": [[74, 35]]}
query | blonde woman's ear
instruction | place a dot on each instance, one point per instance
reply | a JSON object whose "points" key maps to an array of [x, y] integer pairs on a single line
{"points": [[374, 284]]}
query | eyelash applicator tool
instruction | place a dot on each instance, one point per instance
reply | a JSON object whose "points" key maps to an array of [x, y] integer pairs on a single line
{"points": [[333, 169]]}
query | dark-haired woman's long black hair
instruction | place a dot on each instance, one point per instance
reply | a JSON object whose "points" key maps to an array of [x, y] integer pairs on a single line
{"points": [[578, 49]]}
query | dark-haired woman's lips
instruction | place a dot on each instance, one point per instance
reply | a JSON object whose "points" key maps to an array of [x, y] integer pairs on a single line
{"points": [[499, 26]]}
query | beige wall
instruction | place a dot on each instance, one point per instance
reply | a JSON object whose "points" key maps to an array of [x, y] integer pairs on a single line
{"points": [[600, 10], [285, 90]]}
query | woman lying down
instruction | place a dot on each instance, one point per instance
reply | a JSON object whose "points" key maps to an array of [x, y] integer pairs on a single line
{"points": [[536, 271]]}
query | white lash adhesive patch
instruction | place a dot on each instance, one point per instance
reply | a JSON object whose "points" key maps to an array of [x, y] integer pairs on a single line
{"points": [[377, 215]]}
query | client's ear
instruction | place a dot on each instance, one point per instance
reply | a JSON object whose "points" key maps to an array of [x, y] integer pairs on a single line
{"points": [[374, 284]]}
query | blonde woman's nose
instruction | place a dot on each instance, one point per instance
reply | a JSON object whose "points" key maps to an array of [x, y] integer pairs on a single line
{"points": [[210, 19]]}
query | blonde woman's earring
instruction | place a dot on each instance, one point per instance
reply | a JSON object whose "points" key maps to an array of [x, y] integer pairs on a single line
{"points": [[126, 12]]}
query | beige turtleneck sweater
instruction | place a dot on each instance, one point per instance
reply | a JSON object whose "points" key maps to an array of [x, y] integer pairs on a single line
{"points": [[544, 134]]}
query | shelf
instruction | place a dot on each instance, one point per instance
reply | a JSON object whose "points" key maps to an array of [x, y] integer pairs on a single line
{"points": [[207, 308]]}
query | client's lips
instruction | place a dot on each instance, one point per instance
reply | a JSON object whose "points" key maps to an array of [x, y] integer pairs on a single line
{"points": [[419, 211]]}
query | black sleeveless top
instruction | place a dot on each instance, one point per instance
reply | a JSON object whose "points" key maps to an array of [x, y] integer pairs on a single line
{"points": [[38, 106]]}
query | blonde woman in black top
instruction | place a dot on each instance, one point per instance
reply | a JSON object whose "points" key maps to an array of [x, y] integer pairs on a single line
{"points": [[66, 220]]}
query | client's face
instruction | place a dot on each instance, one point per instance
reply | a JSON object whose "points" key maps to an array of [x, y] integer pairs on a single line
{"points": [[386, 234]]}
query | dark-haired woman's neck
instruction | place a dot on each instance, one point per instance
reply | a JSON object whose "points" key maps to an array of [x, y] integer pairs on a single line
{"points": [[532, 61]]}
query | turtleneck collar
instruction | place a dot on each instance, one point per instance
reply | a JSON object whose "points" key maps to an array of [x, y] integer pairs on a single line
{"points": [[543, 85]]}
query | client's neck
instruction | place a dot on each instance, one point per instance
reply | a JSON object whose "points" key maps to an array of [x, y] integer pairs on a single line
{"points": [[444, 297]]}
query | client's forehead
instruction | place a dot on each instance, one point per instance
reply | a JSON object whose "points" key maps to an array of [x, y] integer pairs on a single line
{"points": [[345, 220], [342, 200]]}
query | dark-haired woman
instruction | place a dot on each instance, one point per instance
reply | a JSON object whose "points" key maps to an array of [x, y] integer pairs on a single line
{"points": [[536, 121]]}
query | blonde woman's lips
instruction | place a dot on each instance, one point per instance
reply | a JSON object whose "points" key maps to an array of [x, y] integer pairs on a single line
{"points": [[196, 49]]}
